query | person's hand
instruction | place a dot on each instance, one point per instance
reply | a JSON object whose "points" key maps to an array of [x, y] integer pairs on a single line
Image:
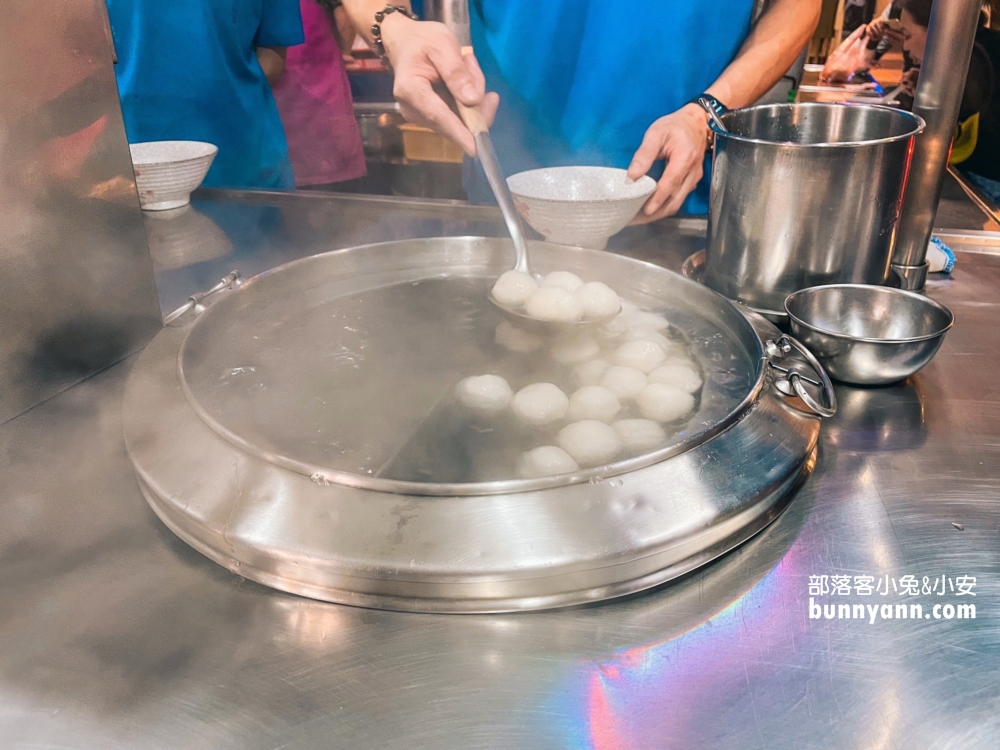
{"points": [[909, 81], [883, 28], [681, 138], [852, 56], [423, 54]]}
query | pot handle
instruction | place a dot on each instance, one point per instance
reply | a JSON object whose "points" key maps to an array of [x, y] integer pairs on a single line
{"points": [[233, 280], [792, 381]]}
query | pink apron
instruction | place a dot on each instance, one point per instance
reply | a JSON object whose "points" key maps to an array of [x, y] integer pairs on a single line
{"points": [[314, 98]]}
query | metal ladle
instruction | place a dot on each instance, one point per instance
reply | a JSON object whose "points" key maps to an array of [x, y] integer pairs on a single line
{"points": [[474, 120]]}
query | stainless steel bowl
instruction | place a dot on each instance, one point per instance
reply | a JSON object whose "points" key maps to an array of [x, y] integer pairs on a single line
{"points": [[868, 335]]}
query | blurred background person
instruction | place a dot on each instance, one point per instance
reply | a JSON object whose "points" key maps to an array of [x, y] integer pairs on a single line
{"points": [[314, 99], [857, 13], [201, 70], [976, 150], [865, 46]]}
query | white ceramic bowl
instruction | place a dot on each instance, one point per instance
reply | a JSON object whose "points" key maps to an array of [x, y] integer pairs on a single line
{"points": [[581, 206], [167, 171]]}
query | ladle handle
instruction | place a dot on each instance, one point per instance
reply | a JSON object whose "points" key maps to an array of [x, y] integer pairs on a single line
{"points": [[475, 121], [472, 116]]}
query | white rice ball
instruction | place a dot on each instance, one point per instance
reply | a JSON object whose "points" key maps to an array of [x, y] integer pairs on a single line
{"points": [[593, 402], [513, 288], [614, 330], [640, 434], [489, 393], [564, 280], [540, 404], [664, 403], [514, 339], [624, 382], [569, 351], [598, 300], [546, 461], [641, 355], [590, 442], [589, 373], [554, 304], [672, 348], [679, 374], [640, 319]]}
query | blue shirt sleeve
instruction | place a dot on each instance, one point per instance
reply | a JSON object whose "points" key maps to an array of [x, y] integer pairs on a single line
{"points": [[280, 24]]}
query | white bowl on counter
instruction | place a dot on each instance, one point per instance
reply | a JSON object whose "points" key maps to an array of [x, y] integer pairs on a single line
{"points": [[582, 206], [166, 172]]}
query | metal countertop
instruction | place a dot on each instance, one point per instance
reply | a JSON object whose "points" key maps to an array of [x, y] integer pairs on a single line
{"points": [[115, 634]]}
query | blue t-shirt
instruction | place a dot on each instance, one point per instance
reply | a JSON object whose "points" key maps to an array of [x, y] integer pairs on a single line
{"points": [[188, 70], [580, 81]]}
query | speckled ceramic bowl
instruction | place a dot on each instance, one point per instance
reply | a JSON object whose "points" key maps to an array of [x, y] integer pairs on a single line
{"points": [[167, 171], [581, 206]]}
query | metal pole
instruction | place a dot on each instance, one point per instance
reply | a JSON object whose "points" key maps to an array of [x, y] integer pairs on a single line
{"points": [[950, 37], [452, 13]]}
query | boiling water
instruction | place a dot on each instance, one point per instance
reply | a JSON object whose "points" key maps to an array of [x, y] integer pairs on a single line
{"points": [[365, 383]]}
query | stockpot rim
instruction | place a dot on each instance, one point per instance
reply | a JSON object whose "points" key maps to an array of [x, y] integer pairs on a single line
{"points": [[920, 123]]}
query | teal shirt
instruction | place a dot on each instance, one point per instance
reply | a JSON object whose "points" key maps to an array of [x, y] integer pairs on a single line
{"points": [[580, 81], [188, 70]]}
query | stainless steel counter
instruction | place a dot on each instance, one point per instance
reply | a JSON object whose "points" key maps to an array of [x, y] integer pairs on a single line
{"points": [[115, 634]]}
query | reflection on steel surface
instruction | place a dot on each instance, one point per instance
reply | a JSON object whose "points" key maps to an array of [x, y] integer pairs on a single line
{"points": [[76, 291], [887, 419], [642, 696], [182, 237]]}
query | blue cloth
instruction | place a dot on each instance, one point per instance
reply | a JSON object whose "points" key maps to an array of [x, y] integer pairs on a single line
{"points": [[188, 70], [990, 187], [580, 81]]}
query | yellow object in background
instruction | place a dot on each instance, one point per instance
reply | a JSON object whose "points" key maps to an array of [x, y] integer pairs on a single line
{"points": [[965, 140], [423, 144]]}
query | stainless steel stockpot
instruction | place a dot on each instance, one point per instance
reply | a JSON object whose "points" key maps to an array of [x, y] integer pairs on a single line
{"points": [[805, 195]]}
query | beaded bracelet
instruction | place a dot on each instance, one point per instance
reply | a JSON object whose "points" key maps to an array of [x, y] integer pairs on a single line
{"points": [[377, 26]]}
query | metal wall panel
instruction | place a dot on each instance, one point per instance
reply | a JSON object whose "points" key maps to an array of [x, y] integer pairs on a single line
{"points": [[76, 281]]}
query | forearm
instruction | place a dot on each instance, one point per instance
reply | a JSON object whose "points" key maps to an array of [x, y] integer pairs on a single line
{"points": [[272, 62], [362, 14], [767, 54], [343, 27]]}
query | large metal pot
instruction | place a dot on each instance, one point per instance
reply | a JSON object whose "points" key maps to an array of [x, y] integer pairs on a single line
{"points": [[299, 430], [805, 195]]}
